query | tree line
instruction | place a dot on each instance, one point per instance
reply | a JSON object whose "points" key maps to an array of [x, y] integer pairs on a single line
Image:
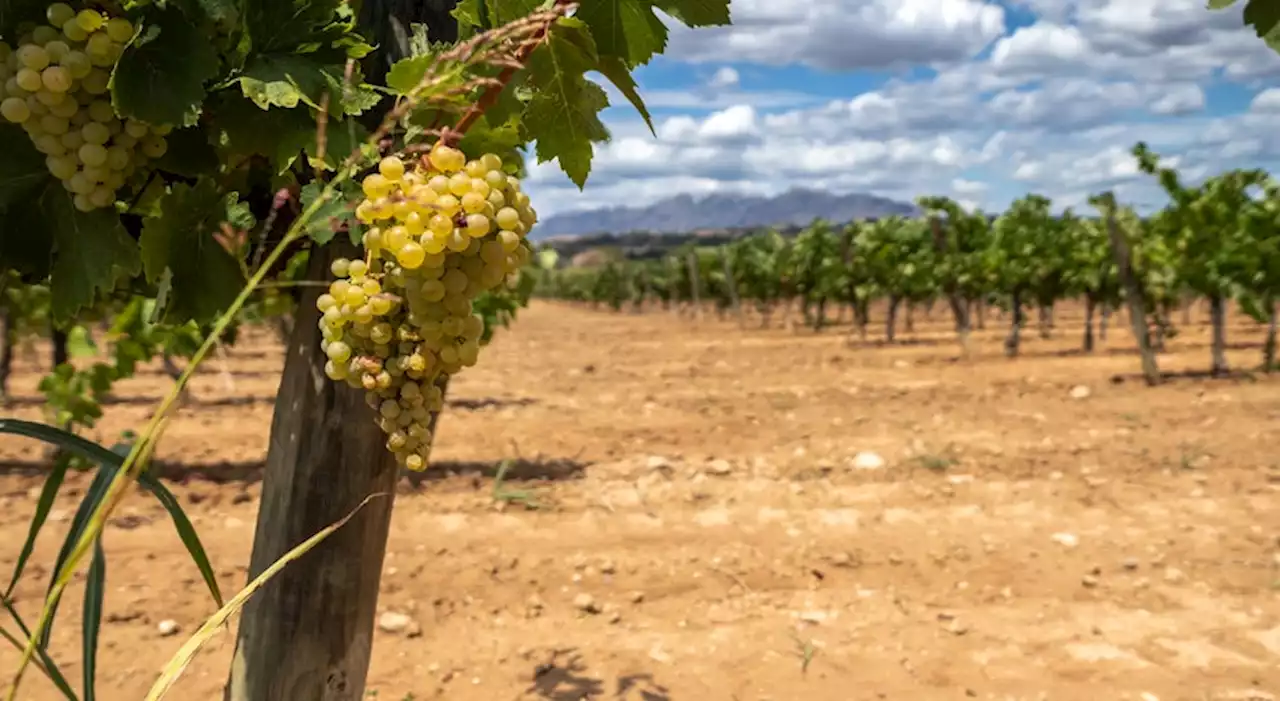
{"points": [[1217, 241]]}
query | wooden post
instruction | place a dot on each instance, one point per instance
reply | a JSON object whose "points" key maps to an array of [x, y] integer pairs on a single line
{"points": [[1218, 320], [309, 633], [1133, 295], [6, 349]]}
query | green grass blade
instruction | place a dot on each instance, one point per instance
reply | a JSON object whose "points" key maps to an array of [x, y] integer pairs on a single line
{"points": [[97, 491], [48, 493], [95, 586], [63, 439], [50, 669], [188, 651], [186, 531]]}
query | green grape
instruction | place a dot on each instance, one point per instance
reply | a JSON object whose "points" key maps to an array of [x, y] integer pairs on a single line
{"points": [[96, 82], [33, 57], [43, 35], [102, 196], [95, 133], [89, 20], [52, 124], [57, 50], [59, 14], [119, 29], [80, 184], [29, 79], [15, 109], [82, 202], [77, 63], [92, 154], [154, 146]]}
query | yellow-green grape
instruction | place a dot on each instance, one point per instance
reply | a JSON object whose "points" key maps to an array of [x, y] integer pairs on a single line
{"points": [[74, 32], [154, 146], [391, 168], [90, 21], [32, 57], [59, 14], [119, 29], [29, 79], [92, 154], [96, 82], [56, 79], [57, 50], [14, 109], [82, 202], [77, 63]]}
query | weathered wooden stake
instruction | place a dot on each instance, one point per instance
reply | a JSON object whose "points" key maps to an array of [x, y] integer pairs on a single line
{"points": [[309, 633], [1133, 295]]}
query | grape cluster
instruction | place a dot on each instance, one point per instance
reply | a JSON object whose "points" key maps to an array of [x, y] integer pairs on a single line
{"points": [[55, 85], [398, 321]]}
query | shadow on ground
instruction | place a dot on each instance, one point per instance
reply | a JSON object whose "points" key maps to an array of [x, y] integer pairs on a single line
{"points": [[565, 677]]}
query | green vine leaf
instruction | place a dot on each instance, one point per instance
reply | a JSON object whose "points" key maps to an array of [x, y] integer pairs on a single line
{"points": [[625, 29], [276, 25], [617, 72], [563, 115], [22, 169], [287, 80], [205, 277], [92, 252], [697, 13], [151, 85], [26, 243], [189, 154], [333, 215]]}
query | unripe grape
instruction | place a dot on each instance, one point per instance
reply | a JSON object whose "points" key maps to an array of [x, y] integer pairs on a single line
{"points": [[65, 108], [102, 196], [72, 30], [447, 159], [459, 184], [338, 352], [101, 111], [448, 205], [83, 203], [477, 225], [92, 154], [32, 57], [56, 79], [339, 267], [89, 20], [53, 124], [117, 158], [375, 186], [77, 64], [15, 109], [96, 82], [80, 185], [57, 50], [119, 29], [154, 146], [49, 145], [473, 202], [507, 218], [134, 128], [73, 140], [29, 79], [59, 14], [357, 269]]}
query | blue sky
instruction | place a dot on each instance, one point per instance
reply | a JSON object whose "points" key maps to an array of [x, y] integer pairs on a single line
{"points": [[981, 100]]}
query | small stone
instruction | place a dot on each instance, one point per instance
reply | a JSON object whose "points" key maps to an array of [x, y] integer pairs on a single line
{"points": [[1130, 563], [867, 460], [1080, 392], [719, 468], [586, 603], [637, 597], [608, 567], [957, 627], [394, 622], [168, 627], [1173, 575], [1066, 540], [657, 654], [657, 462], [814, 617], [1089, 581], [1148, 696], [615, 617]]}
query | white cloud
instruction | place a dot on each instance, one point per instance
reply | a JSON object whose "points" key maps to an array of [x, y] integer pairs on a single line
{"points": [[1266, 101], [726, 77], [843, 35], [1054, 108]]}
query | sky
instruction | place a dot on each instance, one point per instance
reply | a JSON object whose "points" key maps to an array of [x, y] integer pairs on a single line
{"points": [[980, 100]]}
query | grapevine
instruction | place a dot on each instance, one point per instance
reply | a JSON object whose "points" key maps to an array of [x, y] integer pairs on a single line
{"points": [[401, 320], [55, 84]]}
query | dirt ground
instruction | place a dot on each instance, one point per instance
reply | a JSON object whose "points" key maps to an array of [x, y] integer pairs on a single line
{"points": [[753, 515]]}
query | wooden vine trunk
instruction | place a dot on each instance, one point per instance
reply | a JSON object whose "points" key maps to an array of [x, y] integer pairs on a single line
{"points": [[1133, 295], [308, 634]]}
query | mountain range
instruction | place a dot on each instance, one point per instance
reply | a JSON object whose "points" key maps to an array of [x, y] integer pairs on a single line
{"points": [[684, 213]]}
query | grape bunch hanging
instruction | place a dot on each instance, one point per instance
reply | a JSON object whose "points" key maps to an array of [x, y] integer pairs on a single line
{"points": [[55, 85], [401, 319]]}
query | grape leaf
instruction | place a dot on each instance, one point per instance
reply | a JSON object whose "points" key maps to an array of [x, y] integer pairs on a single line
{"points": [[341, 138], [504, 11], [206, 278], [1264, 15], [405, 75], [189, 154], [285, 80], [503, 140], [14, 11], [699, 13], [471, 13], [285, 24], [626, 29], [22, 169], [563, 115], [1220, 4], [333, 215], [150, 85], [616, 71], [92, 252]]}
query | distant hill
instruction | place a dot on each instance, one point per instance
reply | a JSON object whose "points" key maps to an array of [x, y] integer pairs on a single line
{"points": [[684, 213]]}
